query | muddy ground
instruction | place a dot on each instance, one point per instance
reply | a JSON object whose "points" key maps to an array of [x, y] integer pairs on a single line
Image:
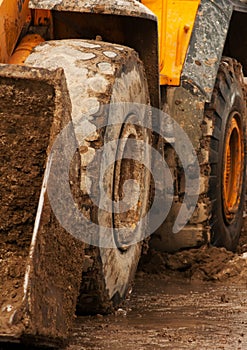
{"points": [[195, 299]]}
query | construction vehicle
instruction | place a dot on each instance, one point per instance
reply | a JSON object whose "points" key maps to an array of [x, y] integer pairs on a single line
{"points": [[61, 63]]}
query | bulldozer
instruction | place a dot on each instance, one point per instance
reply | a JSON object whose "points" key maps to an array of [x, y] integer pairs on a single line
{"points": [[76, 76]]}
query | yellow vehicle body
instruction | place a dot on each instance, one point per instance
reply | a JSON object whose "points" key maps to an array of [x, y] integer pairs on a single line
{"points": [[175, 23], [13, 15]]}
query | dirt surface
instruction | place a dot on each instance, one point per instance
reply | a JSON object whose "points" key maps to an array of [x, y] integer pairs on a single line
{"points": [[194, 299], [205, 264], [171, 316]]}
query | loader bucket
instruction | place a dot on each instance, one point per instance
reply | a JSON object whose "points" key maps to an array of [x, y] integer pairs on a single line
{"points": [[40, 263]]}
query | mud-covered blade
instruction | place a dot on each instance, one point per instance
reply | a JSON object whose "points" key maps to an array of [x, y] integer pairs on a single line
{"points": [[40, 263]]}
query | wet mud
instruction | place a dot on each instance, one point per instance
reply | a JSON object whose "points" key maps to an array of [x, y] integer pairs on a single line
{"points": [[172, 316], [193, 299]]}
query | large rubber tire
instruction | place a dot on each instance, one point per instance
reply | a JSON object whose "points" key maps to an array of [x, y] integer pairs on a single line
{"points": [[227, 155], [98, 73]]}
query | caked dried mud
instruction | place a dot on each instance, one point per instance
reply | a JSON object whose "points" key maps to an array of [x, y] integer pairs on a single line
{"points": [[41, 273], [207, 263], [24, 137]]}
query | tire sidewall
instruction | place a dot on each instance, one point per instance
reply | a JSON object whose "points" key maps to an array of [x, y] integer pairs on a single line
{"points": [[223, 233], [118, 267]]}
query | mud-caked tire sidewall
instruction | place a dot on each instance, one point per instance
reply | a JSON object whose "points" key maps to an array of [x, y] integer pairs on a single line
{"points": [[97, 75], [227, 98], [119, 267]]}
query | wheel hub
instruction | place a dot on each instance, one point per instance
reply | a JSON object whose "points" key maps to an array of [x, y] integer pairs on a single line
{"points": [[233, 167]]}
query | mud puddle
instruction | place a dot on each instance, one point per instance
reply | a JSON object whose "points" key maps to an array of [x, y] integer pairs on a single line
{"points": [[170, 315], [194, 299]]}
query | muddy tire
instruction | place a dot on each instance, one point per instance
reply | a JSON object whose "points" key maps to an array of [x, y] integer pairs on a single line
{"points": [[227, 155], [98, 74]]}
